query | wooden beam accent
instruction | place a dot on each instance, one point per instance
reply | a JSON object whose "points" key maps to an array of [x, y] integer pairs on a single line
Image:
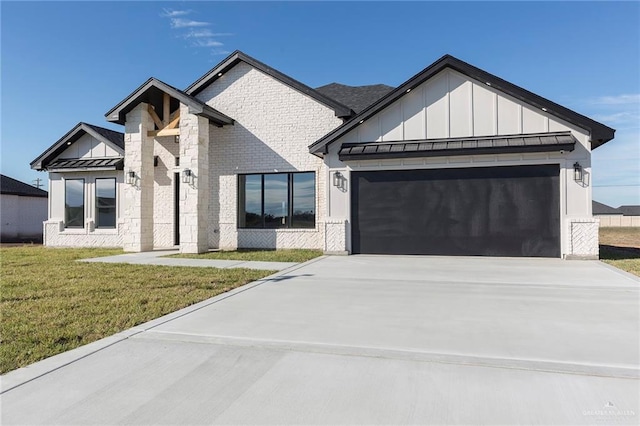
{"points": [[154, 116], [164, 132], [174, 114], [166, 105], [174, 123]]}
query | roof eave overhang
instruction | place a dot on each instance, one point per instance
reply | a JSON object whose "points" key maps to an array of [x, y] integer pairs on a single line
{"points": [[599, 133], [72, 135], [341, 111], [118, 113]]}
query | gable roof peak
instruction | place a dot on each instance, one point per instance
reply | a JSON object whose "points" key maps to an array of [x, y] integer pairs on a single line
{"points": [[108, 136], [599, 133], [238, 56], [151, 92]]}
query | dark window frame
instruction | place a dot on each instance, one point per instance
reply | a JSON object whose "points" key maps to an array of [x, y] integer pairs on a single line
{"points": [[241, 199], [84, 204], [115, 204]]}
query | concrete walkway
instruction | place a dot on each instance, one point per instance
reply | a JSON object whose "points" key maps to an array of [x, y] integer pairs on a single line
{"points": [[365, 340], [157, 257]]}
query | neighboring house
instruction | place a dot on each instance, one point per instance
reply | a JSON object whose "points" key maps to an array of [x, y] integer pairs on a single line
{"points": [[23, 208], [621, 216], [455, 161]]}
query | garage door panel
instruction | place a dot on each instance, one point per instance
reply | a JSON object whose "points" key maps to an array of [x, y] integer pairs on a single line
{"points": [[500, 211]]}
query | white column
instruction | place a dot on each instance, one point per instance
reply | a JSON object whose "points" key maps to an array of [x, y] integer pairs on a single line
{"points": [[138, 198], [194, 195]]}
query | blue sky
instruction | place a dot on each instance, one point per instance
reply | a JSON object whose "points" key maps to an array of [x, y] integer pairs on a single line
{"points": [[65, 62]]}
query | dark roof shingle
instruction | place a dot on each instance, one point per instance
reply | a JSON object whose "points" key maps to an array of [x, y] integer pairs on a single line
{"points": [[111, 135], [355, 97], [15, 187], [629, 210], [602, 209]]}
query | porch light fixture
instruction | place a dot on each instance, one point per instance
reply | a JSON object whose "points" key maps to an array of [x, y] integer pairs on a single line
{"points": [[577, 172], [187, 175], [337, 179], [176, 139], [131, 177]]}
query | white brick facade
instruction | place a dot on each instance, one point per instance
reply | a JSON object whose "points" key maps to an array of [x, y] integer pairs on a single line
{"points": [[584, 238], [274, 126], [138, 198], [194, 195], [55, 235]]}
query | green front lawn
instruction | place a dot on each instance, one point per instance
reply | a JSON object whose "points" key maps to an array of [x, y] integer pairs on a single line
{"points": [[292, 255], [49, 303], [620, 247]]}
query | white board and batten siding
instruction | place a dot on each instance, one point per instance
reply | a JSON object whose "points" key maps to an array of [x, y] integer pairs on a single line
{"points": [[88, 147], [452, 105]]}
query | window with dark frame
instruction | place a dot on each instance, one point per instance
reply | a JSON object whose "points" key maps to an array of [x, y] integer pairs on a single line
{"points": [[277, 200], [74, 203], [105, 202]]}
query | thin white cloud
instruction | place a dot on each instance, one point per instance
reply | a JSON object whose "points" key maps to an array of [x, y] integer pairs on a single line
{"points": [[624, 99], [619, 117], [207, 43], [202, 33], [198, 33], [170, 13], [187, 23], [216, 52], [195, 31]]}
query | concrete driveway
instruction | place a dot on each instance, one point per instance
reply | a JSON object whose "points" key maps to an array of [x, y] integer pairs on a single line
{"points": [[365, 339]]}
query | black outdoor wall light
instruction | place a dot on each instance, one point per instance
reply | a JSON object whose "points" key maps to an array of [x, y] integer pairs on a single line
{"points": [[577, 172], [337, 179], [131, 177], [187, 176]]}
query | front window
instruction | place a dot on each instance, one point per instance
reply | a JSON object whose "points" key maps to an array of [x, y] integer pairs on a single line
{"points": [[277, 200], [74, 203], [106, 203]]}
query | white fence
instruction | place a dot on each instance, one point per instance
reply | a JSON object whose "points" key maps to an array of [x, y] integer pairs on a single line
{"points": [[618, 220]]}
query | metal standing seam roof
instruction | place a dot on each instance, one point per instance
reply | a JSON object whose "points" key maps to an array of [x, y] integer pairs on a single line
{"points": [[11, 186], [541, 142], [86, 164]]}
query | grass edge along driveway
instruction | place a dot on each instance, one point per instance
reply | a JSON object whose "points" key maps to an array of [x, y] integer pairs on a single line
{"points": [[49, 303], [259, 255]]}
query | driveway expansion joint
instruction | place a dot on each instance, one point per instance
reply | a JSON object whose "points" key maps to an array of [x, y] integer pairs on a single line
{"points": [[405, 354]]}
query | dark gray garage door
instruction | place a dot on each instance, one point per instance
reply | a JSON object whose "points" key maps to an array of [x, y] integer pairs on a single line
{"points": [[490, 211]]}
